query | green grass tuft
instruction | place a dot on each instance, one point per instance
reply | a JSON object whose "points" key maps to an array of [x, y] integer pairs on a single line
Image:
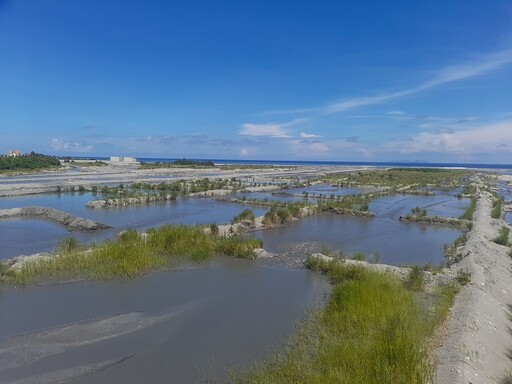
{"points": [[414, 281], [496, 208], [502, 238], [470, 211], [132, 254], [245, 215], [371, 331]]}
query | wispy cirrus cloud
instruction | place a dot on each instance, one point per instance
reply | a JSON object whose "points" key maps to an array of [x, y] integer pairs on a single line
{"points": [[481, 65]]}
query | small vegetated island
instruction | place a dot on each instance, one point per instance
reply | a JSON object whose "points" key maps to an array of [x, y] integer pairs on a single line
{"points": [[28, 162], [185, 163]]}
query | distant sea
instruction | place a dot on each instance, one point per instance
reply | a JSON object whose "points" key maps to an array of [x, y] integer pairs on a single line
{"points": [[383, 164]]}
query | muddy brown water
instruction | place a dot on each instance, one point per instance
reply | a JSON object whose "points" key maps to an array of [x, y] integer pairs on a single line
{"points": [[181, 326]]}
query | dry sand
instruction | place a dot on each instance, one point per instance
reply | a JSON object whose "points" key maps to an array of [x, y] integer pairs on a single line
{"points": [[476, 337]]}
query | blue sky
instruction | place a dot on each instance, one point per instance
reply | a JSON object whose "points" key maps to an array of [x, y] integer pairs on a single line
{"points": [[276, 80]]}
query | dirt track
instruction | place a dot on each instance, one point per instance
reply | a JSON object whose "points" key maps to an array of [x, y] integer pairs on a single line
{"points": [[477, 335]]}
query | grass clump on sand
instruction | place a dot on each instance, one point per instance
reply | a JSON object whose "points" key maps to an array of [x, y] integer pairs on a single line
{"points": [[371, 331], [282, 214], [496, 208], [133, 253], [507, 379], [502, 238], [470, 211], [414, 281], [245, 215], [452, 251]]}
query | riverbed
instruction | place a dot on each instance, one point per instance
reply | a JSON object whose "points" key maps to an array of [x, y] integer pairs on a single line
{"points": [[181, 326], [194, 323]]}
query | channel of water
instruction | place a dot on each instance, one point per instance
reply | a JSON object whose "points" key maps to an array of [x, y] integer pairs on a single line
{"points": [[180, 326], [194, 323]]}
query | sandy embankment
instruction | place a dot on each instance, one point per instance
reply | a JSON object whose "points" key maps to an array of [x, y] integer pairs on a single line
{"points": [[51, 214], [476, 336]]}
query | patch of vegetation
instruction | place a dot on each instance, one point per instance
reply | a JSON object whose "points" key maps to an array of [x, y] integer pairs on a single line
{"points": [[397, 178], [470, 211], [96, 163], [371, 331], [230, 167], [502, 237], [280, 214], [350, 202], [133, 253], [414, 281], [166, 191], [507, 379], [245, 215], [463, 277], [214, 229], [28, 162], [67, 245], [496, 208], [188, 163], [469, 189], [451, 251], [419, 212], [359, 256]]}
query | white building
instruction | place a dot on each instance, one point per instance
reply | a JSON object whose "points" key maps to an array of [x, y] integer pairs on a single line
{"points": [[122, 160]]}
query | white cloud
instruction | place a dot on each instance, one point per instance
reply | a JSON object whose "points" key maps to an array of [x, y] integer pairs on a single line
{"points": [[244, 152], [60, 145], [308, 135], [306, 148], [319, 148], [269, 129], [396, 113], [490, 138], [479, 66]]}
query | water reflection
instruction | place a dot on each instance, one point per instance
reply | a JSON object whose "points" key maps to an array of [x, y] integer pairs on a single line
{"points": [[26, 236], [396, 242]]}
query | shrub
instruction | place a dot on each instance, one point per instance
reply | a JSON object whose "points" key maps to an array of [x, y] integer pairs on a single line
{"points": [[496, 208], [214, 229], [245, 215], [359, 256], [420, 212], [468, 214], [238, 246], [414, 281], [502, 238], [67, 245], [463, 277]]}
